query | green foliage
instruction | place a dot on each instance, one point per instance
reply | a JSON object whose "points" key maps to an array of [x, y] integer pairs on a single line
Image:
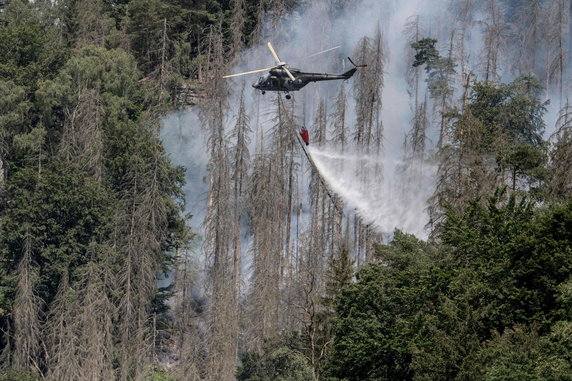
{"points": [[426, 52], [517, 255], [339, 274], [379, 317], [520, 354], [490, 302], [18, 375], [503, 111], [275, 363], [63, 211], [438, 68], [111, 73], [159, 374], [524, 160], [14, 108], [26, 51]]}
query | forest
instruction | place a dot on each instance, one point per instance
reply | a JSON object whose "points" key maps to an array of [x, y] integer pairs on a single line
{"points": [[161, 222]]}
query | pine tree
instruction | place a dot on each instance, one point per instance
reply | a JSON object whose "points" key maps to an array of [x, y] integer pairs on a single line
{"points": [[82, 136], [60, 334], [560, 167], [495, 39], [556, 59], [95, 318], [26, 312]]}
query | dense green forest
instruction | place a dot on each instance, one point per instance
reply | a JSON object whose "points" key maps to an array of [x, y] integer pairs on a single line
{"points": [[93, 213]]}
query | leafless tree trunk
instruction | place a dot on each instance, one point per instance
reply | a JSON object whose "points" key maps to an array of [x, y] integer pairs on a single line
{"points": [[26, 312], [465, 11], [95, 319], [142, 225], [221, 222], [82, 136], [266, 199], [60, 335], [445, 96], [529, 32], [556, 33], [339, 131], [190, 339], [560, 181], [367, 89], [93, 26], [368, 135], [237, 26], [495, 39]]}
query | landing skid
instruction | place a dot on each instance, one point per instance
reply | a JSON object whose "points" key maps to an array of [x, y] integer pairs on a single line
{"points": [[288, 96]]}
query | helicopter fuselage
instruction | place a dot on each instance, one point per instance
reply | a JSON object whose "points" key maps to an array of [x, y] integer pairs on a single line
{"points": [[278, 80]]}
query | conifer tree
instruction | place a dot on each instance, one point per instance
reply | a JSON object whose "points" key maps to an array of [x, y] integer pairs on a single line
{"points": [[26, 312], [82, 136], [339, 130], [60, 334], [220, 221], [556, 63], [495, 31], [241, 157], [529, 24], [560, 167], [93, 25], [237, 26], [95, 333]]}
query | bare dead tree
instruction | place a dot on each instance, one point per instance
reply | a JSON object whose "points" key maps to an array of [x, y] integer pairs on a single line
{"points": [[320, 123], [560, 181], [221, 221], [26, 312], [413, 33], [94, 319], [60, 335], [368, 131], [143, 227], [416, 139], [269, 195], [556, 60], [465, 10], [82, 136], [256, 34], [190, 340], [527, 38], [339, 137], [241, 157], [445, 94], [266, 199], [495, 31], [93, 27], [237, 26], [133, 283], [339, 127], [367, 91]]}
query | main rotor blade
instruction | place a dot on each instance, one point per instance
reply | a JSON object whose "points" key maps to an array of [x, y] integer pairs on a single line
{"points": [[288, 72], [274, 54], [323, 51], [249, 72]]}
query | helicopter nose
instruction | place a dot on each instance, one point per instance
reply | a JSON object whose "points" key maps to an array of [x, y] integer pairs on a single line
{"points": [[255, 85]]}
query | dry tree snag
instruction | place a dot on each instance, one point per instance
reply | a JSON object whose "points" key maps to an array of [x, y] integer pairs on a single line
{"points": [[26, 312]]}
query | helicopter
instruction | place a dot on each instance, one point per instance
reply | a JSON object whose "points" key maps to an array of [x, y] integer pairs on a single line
{"points": [[286, 79]]}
